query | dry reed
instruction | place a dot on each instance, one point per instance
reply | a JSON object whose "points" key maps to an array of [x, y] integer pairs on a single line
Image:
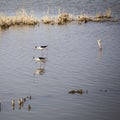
{"points": [[64, 18], [107, 14], [61, 18], [83, 18], [21, 18], [47, 19]]}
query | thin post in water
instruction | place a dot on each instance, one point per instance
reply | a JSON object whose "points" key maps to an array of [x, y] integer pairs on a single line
{"points": [[99, 45]]}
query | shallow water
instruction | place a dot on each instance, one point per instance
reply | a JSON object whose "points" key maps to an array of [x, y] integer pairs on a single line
{"points": [[74, 62]]}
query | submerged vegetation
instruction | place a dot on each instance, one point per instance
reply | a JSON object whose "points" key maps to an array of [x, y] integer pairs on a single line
{"points": [[22, 18]]}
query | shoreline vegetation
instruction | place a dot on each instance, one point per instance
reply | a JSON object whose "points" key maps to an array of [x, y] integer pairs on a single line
{"points": [[22, 18]]}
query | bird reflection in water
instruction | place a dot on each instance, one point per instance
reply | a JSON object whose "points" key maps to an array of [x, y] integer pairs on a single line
{"points": [[100, 54], [39, 71]]}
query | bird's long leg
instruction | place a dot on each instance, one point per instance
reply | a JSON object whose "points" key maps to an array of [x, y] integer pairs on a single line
{"points": [[46, 52], [40, 64], [46, 49], [42, 52]]}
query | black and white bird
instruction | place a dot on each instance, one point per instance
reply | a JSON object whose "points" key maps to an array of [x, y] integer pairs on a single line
{"points": [[40, 59], [41, 47]]}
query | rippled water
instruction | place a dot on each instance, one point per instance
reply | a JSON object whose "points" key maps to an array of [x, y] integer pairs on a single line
{"points": [[74, 62]]}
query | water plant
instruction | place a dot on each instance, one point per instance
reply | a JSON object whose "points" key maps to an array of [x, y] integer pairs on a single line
{"points": [[21, 18], [80, 91], [106, 14], [47, 19], [83, 18], [64, 18]]}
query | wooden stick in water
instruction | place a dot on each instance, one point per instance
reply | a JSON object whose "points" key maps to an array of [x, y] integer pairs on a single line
{"points": [[99, 45]]}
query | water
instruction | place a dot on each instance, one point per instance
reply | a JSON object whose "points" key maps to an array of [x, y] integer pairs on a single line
{"points": [[74, 62]]}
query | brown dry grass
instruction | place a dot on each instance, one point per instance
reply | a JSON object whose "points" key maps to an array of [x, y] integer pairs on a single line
{"points": [[47, 19], [64, 18], [83, 18], [21, 18], [106, 14]]}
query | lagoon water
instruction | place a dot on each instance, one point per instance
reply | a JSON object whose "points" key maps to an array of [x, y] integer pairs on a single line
{"points": [[74, 62]]}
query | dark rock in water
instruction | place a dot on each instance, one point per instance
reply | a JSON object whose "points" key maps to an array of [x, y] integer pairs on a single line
{"points": [[78, 91], [29, 107], [72, 92]]}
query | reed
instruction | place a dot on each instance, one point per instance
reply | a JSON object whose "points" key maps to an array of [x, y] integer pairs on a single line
{"points": [[63, 18], [47, 19], [21, 18], [106, 14], [83, 18]]}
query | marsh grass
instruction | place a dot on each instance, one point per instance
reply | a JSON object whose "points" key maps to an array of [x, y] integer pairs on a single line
{"points": [[60, 19], [47, 19], [63, 17], [100, 17], [106, 14], [83, 18], [21, 18]]}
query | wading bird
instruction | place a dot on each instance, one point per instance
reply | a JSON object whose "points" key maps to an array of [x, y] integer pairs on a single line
{"points": [[40, 59], [41, 47]]}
